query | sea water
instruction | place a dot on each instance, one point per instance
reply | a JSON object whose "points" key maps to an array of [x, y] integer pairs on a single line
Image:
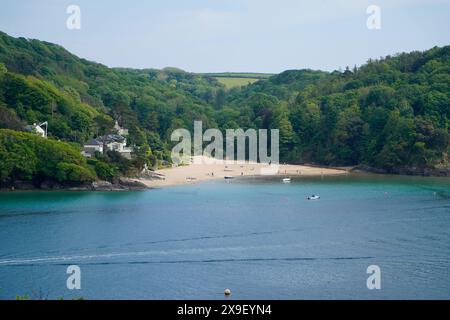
{"points": [[259, 237]]}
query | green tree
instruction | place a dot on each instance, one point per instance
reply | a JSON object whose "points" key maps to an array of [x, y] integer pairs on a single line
{"points": [[286, 133]]}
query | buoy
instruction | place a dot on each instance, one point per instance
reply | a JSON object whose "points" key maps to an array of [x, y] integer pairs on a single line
{"points": [[227, 292]]}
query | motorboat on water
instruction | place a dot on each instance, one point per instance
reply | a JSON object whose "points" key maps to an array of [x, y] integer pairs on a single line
{"points": [[313, 197], [286, 180], [228, 177]]}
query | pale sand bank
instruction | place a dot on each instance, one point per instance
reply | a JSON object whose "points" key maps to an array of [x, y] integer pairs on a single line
{"points": [[205, 171]]}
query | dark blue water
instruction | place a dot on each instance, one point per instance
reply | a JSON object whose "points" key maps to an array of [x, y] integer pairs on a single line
{"points": [[261, 238]]}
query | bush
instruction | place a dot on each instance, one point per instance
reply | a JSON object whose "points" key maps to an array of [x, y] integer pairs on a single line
{"points": [[69, 172], [103, 170], [27, 156]]}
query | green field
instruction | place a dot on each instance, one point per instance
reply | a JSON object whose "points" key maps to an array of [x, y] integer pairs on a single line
{"points": [[238, 79], [235, 82]]}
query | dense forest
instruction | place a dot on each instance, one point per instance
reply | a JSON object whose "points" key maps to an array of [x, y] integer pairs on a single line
{"points": [[389, 113]]}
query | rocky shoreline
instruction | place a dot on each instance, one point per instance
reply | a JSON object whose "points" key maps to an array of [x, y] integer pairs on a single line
{"points": [[407, 171], [122, 184]]}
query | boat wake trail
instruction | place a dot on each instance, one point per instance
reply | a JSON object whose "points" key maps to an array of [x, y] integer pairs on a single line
{"points": [[60, 262], [245, 253], [129, 245]]}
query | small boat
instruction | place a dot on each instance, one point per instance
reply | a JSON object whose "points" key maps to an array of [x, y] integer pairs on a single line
{"points": [[228, 177], [313, 197], [286, 180]]}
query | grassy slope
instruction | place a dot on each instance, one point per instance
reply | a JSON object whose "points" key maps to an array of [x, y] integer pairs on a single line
{"points": [[238, 79], [230, 83]]}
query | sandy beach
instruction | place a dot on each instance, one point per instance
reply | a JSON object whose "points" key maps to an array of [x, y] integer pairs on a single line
{"points": [[194, 173]]}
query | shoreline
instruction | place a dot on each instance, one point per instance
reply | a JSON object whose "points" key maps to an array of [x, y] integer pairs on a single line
{"points": [[205, 170], [184, 175], [197, 173]]}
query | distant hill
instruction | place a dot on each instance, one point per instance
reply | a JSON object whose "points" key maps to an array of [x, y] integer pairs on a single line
{"points": [[389, 113], [47, 73], [285, 84], [80, 99]]}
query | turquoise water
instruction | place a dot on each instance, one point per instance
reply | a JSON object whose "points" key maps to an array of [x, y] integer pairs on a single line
{"points": [[260, 238]]}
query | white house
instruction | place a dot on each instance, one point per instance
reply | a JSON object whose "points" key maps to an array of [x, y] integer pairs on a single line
{"points": [[113, 142], [91, 147]]}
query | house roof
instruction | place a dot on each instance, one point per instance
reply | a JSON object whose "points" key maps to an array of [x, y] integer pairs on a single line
{"points": [[93, 142], [111, 138]]}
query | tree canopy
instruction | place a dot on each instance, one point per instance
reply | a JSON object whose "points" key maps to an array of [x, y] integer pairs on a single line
{"points": [[388, 113]]}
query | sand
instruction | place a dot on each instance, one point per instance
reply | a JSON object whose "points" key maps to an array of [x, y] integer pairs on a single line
{"points": [[194, 173]]}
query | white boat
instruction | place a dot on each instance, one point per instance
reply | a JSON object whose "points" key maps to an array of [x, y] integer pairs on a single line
{"points": [[313, 197], [286, 180]]}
